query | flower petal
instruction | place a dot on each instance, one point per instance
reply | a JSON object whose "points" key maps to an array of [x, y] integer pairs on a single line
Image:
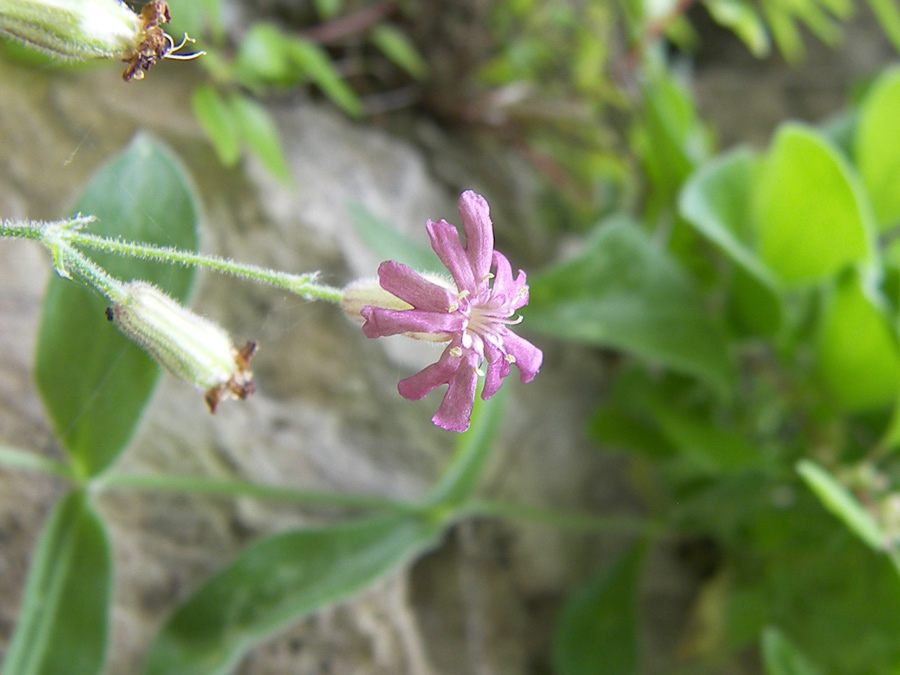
{"points": [[455, 411], [430, 378], [382, 322], [497, 370], [479, 231], [408, 285], [528, 358], [446, 243]]}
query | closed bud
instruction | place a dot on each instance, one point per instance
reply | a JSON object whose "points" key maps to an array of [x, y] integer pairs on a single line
{"points": [[365, 293], [184, 343]]}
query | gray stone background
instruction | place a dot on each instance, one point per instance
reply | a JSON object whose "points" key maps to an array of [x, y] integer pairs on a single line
{"points": [[327, 414]]}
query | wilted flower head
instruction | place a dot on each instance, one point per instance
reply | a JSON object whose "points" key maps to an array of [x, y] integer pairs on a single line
{"points": [[94, 29], [184, 343], [472, 312]]}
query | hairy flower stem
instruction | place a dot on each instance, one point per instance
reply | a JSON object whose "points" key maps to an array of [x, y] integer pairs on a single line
{"points": [[298, 284], [62, 236]]}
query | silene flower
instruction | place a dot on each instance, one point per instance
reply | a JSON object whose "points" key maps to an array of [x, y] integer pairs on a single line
{"points": [[472, 312]]}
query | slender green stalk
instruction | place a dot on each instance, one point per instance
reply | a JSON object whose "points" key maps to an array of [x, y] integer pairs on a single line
{"points": [[26, 229], [233, 488], [67, 258], [61, 236], [23, 459], [299, 284]]}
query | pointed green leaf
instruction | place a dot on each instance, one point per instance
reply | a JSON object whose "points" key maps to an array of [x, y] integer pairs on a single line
{"points": [[717, 200], [328, 9], [94, 382], [263, 57], [598, 628], [62, 625], [279, 580], [394, 44], [878, 147], [743, 20], [217, 120], [780, 657], [316, 63], [838, 499], [857, 352], [813, 215], [888, 14], [624, 292], [784, 31], [259, 133]]}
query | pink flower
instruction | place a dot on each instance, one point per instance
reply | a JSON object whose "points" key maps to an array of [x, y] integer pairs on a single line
{"points": [[472, 313]]}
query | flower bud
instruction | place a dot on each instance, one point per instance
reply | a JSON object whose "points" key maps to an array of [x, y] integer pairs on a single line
{"points": [[184, 343]]}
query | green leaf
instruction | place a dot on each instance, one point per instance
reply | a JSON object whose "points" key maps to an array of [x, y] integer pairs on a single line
{"points": [[259, 133], [279, 580], [598, 628], [473, 449], [316, 63], [263, 57], [783, 30], [670, 137], [889, 17], [840, 502], [93, 381], [857, 354], [878, 147], [780, 657], [328, 9], [62, 625], [743, 20], [394, 44], [389, 244], [618, 426], [717, 200], [219, 123], [813, 216], [712, 447], [625, 293]]}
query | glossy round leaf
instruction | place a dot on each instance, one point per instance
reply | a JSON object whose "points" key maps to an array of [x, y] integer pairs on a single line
{"points": [[813, 217]]}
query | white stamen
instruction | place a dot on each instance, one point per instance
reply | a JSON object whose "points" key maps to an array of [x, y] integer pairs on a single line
{"points": [[170, 52]]}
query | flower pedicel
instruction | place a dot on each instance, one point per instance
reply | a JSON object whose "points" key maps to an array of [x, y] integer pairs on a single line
{"points": [[472, 312]]}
